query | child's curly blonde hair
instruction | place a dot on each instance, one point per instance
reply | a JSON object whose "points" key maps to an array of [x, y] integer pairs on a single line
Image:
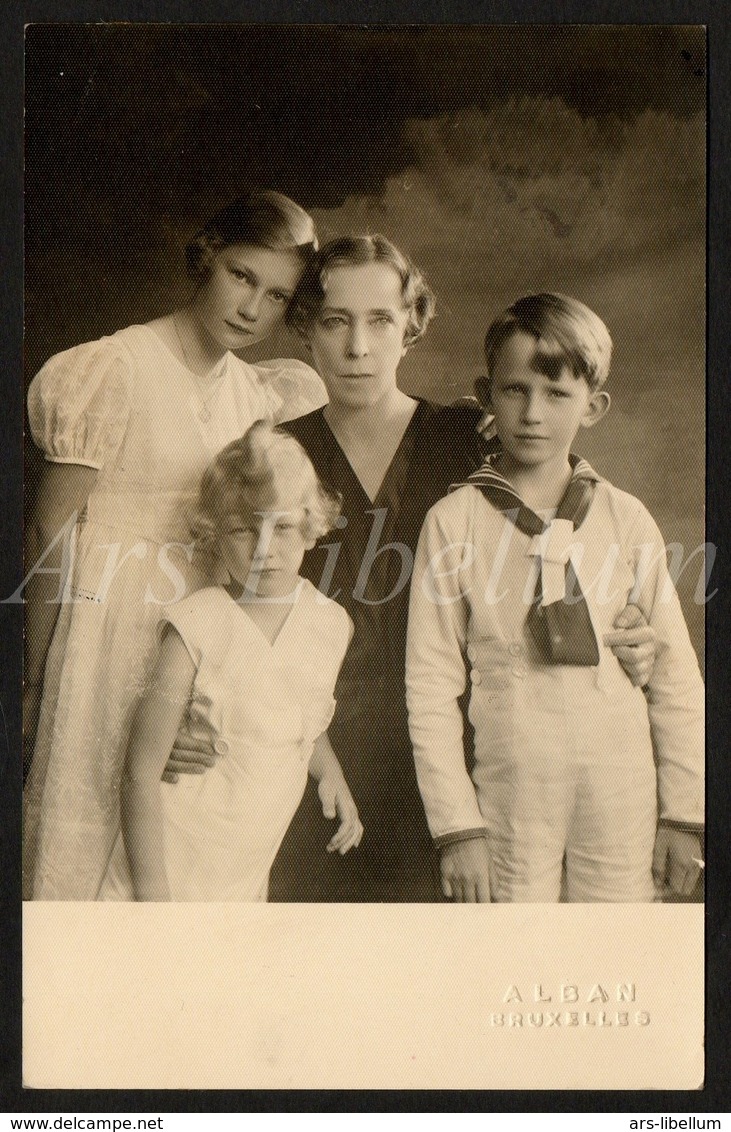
{"points": [[248, 475]]}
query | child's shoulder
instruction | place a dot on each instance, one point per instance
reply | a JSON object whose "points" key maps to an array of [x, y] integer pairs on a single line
{"points": [[200, 614], [459, 507], [324, 614], [318, 603], [625, 507], [205, 600]]}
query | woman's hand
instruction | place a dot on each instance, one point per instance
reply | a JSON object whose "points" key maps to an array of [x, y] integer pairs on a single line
{"points": [[634, 643], [189, 756], [337, 802], [465, 871]]}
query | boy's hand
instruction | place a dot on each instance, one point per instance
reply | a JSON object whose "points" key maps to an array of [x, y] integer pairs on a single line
{"points": [[189, 756], [337, 802], [465, 870], [676, 860], [634, 643]]}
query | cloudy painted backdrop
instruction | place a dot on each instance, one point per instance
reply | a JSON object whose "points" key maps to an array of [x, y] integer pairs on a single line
{"points": [[503, 159]]}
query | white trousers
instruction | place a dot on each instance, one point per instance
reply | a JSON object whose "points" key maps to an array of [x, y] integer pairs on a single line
{"points": [[583, 833]]}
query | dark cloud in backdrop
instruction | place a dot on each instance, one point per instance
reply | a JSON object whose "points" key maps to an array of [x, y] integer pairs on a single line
{"points": [[503, 159]]}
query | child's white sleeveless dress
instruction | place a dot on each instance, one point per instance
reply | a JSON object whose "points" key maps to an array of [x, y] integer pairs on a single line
{"points": [[126, 406], [262, 706]]}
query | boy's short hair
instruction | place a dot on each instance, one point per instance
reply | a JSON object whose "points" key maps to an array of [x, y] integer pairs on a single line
{"points": [[570, 331], [259, 219], [243, 478], [354, 251]]}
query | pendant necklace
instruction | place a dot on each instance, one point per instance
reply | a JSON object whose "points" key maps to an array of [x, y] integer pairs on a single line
{"points": [[204, 413]]}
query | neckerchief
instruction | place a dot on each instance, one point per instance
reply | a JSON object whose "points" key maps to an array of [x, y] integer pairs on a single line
{"points": [[558, 617]]}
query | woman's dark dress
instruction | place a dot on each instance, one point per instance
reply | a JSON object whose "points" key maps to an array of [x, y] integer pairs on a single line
{"points": [[395, 860]]}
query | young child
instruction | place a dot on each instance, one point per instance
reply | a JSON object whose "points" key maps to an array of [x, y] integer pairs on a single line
{"points": [[253, 663], [519, 575]]}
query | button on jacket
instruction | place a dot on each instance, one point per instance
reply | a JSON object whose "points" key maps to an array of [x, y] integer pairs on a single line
{"points": [[472, 583]]}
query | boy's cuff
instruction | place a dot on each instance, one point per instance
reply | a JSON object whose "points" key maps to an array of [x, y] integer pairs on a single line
{"points": [[444, 839], [683, 826]]}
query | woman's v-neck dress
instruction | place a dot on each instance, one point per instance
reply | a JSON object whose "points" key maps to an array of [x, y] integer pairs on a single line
{"points": [[366, 564], [262, 706], [126, 406]]}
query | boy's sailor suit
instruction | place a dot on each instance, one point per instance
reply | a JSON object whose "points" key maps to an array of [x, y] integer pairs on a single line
{"points": [[570, 759]]}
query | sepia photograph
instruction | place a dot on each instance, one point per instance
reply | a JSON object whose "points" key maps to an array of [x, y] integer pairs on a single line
{"points": [[366, 567]]}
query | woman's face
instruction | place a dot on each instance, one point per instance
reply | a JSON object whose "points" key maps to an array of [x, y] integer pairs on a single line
{"points": [[262, 545], [245, 295], [357, 337]]}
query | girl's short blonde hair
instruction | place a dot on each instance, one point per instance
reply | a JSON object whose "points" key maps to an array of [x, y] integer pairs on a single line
{"points": [[248, 475]]}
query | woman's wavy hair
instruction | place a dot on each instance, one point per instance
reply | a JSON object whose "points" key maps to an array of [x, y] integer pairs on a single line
{"points": [[571, 333], [259, 219], [245, 476], [353, 251]]}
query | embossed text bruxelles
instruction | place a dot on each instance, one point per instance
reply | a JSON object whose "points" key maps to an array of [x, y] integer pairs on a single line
{"points": [[570, 1005]]}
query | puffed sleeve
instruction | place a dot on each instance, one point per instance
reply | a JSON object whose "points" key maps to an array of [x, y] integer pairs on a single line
{"points": [[79, 403], [295, 386]]}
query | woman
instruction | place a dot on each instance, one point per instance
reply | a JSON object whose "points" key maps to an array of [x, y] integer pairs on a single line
{"points": [[359, 306], [128, 424]]}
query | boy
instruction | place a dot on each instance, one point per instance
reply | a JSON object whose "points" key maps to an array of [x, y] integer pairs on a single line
{"points": [[519, 574]]}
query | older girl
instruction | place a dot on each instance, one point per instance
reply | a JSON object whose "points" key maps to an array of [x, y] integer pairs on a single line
{"points": [[128, 424]]}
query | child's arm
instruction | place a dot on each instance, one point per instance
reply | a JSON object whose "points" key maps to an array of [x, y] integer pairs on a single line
{"points": [[154, 729], [675, 703], [435, 680], [337, 801]]}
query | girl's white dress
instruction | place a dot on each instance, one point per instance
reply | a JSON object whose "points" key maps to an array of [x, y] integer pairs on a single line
{"points": [[262, 706], [126, 406]]}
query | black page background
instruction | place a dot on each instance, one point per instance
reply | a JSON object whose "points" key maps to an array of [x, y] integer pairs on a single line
{"points": [[716, 1095]]}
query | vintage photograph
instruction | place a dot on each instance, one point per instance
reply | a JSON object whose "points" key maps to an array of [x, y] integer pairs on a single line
{"points": [[366, 571]]}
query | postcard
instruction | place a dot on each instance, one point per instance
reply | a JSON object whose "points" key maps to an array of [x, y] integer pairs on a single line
{"points": [[232, 222]]}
